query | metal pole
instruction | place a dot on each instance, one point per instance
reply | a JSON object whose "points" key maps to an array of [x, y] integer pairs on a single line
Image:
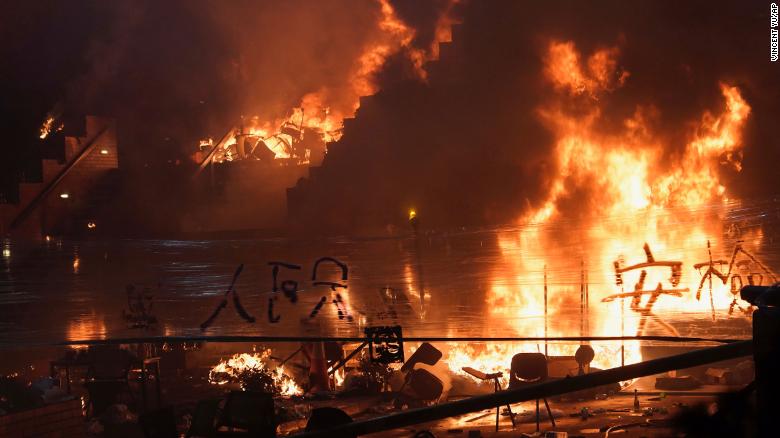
{"points": [[342, 362], [622, 327], [582, 298], [587, 304], [545, 310], [537, 391], [262, 339]]}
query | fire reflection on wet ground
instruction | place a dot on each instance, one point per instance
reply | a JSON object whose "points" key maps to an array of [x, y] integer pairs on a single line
{"points": [[488, 282]]}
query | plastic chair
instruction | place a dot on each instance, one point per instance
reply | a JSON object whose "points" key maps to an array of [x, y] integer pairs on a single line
{"points": [[530, 368], [496, 387], [427, 354], [425, 386]]}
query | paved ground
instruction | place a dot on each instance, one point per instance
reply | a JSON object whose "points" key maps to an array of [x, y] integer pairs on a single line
{"points": [[656, 409]]}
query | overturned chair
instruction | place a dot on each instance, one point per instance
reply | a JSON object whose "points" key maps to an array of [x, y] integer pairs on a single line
{"points": [[423, 385]]}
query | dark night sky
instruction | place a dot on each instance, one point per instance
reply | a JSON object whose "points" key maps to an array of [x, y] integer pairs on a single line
{"points": [[174, 71]]}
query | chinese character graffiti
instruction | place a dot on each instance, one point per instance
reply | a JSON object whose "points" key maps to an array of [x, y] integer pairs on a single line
{"points": [[231, 290], [284, 285], [646, 311], [749, 271]]}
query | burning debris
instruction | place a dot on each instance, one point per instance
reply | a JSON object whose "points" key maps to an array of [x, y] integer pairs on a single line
{"points": [[286, 141], [300, 136], [49, 125], [252, 370]]}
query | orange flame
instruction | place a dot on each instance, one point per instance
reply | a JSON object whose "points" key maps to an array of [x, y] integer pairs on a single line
{"points": [[318, 115], [626, 194], [221, 373]]}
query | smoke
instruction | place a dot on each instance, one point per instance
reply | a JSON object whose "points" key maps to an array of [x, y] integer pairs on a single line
{"points": [[470, 146], [278, 52], [461, 136], [179, 71]]}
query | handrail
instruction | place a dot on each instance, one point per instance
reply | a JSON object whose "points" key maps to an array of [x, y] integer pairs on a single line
{"points": [[213, 150], [269, 339]]}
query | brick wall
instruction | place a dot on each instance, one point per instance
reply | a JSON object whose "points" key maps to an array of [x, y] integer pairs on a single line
{"points": [[57, 420]]}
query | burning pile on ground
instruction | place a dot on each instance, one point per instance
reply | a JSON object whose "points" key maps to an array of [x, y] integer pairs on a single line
{"points": [[252, 372]]}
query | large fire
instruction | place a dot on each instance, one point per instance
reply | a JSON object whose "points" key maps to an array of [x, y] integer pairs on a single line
{"points": [[628, 190], [230, 368], [318, 115]]}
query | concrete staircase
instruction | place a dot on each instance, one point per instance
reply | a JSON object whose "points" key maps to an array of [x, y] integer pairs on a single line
{"points": [[68, 189]]}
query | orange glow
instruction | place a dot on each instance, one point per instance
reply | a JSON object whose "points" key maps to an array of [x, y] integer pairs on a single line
{"points": [[628, 192], [321, 113], [394, 35], [563, 67], [87, 327], [443, 32], [46, 127], [232, 367]]}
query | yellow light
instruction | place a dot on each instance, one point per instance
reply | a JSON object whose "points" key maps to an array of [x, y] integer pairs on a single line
{"points": [[91, 225], [412, 214], [64, 195], [104, 151], [46, 127], [48, 238], [6, 253]]}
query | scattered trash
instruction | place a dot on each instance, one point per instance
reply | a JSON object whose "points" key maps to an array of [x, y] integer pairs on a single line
{"points": [[118, 414], [636, 402], [685, 383], [742, 373], [649, 412], [480, 416], [528, 416]]}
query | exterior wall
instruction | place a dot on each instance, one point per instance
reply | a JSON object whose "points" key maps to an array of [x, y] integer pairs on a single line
{"points": [[78, 184], [243, 196]]}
